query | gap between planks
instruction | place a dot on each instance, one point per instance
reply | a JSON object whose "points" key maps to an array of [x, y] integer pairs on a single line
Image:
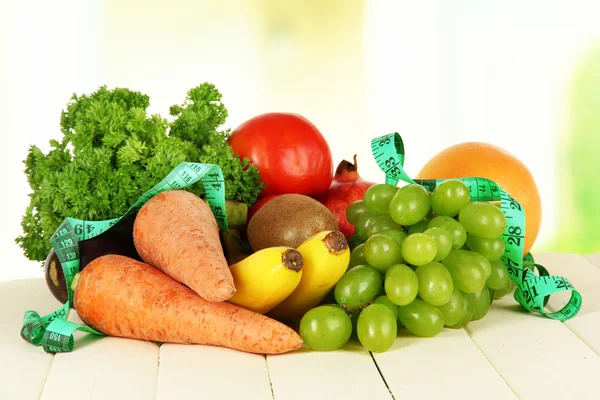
{"points": [[585, 276], [562, 354], [347, 373], [436, 367], [24, 367], [557, 264], [382, 377], [270, 381]]}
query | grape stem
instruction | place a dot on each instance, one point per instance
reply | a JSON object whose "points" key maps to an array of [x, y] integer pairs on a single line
{"points": [[352, 311]]}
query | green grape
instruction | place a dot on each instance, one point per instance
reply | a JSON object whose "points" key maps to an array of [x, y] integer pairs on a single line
{"points": [[499, 276], [483, 219], [481, 303], [453, 309], [377, 197], [364, 221], [401, 284], [456, 230], [410, 204], [419, 227], [467, 313], [354, 241], [358, 287], [325, 328], [381, 224], [357, 256], [467, 273], [499, 293], [377, 328], [483, 263], [449, 197], [418, 249], [386, 301], [355, 210], [421, 319], [382, 251], [435, 283], [492, 249], [328, 304], [396, 234], [443, 241]]}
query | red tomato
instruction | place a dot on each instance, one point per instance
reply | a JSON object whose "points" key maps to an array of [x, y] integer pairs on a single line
{"points": [[292, 156], [261, 202]]}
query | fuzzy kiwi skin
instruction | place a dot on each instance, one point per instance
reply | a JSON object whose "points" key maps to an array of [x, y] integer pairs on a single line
{"points": [[288, 220]]}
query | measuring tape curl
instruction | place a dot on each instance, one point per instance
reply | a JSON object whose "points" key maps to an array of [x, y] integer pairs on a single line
{"points": [[53, 331], [532, 291]]}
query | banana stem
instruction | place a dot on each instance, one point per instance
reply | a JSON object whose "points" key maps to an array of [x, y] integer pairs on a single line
{"points": [[335, 242], [292, 259]]}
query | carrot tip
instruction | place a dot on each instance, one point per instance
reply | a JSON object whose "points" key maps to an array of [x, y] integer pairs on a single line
{"points": [[222, 291], [226, 287]]}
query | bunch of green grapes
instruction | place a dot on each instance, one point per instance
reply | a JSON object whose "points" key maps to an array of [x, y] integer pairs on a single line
{"points": [[420, 260]]}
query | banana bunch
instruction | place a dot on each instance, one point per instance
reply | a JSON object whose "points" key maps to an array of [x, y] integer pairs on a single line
{"points": [[326, 256], [285, 283], [263, 279]]}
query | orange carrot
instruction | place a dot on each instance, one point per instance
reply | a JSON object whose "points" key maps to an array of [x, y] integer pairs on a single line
{"points": [[176, 232], [120, 296]]}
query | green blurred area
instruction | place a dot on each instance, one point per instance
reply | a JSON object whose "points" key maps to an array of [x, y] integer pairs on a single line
{"points": [[578, 230]]}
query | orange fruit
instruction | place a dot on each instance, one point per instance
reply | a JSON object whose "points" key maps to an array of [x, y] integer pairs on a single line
{"points": [[485, 160]]}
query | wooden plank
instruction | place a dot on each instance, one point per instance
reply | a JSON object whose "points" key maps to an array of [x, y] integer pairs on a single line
{"points": [[586, 279], [24, 367], [101, 367], [432, 368], [580, 272], [594, 259], [347, 373], [538, 357], [206, 372]]}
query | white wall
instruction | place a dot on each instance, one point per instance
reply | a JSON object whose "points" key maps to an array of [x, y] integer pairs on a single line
{"points": [[437, 72], [47, 53]]}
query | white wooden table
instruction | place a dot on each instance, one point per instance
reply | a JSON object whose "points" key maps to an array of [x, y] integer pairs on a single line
{"points": [[509, 354]]}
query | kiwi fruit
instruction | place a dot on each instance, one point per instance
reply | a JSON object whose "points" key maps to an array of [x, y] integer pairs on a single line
{"points": [[288, 220]]}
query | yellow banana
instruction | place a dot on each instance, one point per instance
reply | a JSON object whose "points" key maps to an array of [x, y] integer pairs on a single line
{"points": [[326, 257], [263, 279]]}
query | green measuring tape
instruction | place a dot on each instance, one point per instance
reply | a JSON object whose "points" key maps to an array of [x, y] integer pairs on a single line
{"points": [[53, 331], [532, 291]]}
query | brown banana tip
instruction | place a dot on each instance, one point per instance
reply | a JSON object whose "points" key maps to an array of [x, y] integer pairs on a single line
{"points": [[335, 242], [292, 259]]}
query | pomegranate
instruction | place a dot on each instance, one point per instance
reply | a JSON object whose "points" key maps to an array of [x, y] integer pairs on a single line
{"points": [[347, 187]]}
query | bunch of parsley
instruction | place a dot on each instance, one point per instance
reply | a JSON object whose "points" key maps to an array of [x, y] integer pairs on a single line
{"points": [[112, 151]]}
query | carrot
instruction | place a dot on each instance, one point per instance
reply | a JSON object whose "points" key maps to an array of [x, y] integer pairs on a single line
{"points": [[123, 297], [176, 232]]}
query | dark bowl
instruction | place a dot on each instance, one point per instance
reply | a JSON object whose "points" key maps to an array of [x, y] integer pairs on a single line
{"points": [[117, 240]]}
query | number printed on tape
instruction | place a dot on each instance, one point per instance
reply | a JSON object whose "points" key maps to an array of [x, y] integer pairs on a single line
{"points": [[65, 242]]}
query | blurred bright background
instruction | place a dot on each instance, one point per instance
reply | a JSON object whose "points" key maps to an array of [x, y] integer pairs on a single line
{"points": [[522, 75]]}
